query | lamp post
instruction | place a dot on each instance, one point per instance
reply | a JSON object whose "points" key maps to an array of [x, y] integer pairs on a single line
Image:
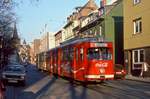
{"points": [[1, 49]]}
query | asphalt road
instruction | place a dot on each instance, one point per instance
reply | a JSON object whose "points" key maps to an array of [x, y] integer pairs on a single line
{"points": [[41, 85]]}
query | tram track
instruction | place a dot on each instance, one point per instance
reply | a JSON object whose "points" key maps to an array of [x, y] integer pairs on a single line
{"points": [[132, 83], [127, 86], [115, 91], [127, 91], [97, 89]]}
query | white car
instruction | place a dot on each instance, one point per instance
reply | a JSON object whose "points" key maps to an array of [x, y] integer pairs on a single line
{"points": [[14, 74]]}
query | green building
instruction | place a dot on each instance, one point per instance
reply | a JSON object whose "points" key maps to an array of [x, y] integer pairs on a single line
{"points": [[113, 23], [107, 26]]}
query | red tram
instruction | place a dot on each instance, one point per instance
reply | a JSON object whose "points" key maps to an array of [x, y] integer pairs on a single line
{"points": [[82, 60]]}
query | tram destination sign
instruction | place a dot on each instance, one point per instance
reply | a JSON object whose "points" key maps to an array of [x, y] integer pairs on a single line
{"points": [[101, 44]]}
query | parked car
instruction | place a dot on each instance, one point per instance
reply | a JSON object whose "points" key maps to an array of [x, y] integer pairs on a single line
{"points": [[14, 74], [120, 71], [25, 64], [2, 90]]}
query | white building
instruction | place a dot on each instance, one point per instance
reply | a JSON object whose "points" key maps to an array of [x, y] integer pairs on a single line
{"points": [[47, 41], [68, 29]]}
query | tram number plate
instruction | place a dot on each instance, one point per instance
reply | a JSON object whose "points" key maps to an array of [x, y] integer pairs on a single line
{"points": [[102, 76]]}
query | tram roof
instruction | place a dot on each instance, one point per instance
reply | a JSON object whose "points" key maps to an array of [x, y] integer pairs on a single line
{"points": [[79, 40]]}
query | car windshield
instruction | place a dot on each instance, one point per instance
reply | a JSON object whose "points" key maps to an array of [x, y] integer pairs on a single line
{"points": [[99, 54], [119, 67], [14, 68]]}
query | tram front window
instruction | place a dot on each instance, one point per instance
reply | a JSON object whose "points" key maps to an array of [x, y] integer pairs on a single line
{"points": [[99, 54]]}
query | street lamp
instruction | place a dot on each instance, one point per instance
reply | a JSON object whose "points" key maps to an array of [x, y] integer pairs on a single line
{"points": [[1, 46]]}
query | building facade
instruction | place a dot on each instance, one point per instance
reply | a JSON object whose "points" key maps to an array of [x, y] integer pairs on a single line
{"points": [[69, 34], [92, 26], [36, 46], [71, 29], [58, 38], [136, 36], [107, 26], [32, 53], [34, 50], [113, 24], [47, 42]]}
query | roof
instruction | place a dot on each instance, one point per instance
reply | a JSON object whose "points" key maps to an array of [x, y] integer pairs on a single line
{"points": [[89, 5]]}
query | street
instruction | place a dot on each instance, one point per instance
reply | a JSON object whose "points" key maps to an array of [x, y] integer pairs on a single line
{"points": [[40, 85], [92, 42]]}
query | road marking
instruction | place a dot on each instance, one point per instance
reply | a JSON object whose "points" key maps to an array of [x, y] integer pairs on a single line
{"points": [[38, 86]]}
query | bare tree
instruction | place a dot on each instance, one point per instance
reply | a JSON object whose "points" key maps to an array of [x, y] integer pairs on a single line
{"points": [[7, 15]]}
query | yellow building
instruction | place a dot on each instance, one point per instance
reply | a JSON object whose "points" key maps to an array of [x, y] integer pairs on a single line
{"points": [[137, 36]]}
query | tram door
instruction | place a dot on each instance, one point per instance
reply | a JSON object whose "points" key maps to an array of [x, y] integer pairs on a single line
{"points": [[76, 58], [80, 60]]}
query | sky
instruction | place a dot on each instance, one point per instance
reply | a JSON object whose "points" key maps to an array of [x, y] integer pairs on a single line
{"points": [[32, 16]]}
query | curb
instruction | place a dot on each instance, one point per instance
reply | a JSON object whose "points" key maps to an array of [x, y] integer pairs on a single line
{"points": [[138, 79]]}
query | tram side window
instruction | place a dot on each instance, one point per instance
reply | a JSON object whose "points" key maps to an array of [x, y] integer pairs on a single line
{"points": [[61, 56], [81, 54], [76, 54], [99, 54], [52, 57], [56, 56], [65, 54], [71, 50]]}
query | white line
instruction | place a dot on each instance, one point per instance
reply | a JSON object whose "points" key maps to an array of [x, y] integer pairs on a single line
{"points": [[38, 86]]}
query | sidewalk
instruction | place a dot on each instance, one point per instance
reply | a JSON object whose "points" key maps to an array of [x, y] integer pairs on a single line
{"points": [[141, 79]]}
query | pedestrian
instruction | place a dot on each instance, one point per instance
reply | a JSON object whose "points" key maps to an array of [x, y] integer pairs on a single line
{"points": [[144, 69]]}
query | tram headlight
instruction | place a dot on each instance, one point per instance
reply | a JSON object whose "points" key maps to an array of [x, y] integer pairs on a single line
{"points": [[102, 70]]}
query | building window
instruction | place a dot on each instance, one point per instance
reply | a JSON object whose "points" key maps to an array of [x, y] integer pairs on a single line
{"points": [[136, 1], [95, 32], [138, 58], [137, 26], [90, 32]]}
